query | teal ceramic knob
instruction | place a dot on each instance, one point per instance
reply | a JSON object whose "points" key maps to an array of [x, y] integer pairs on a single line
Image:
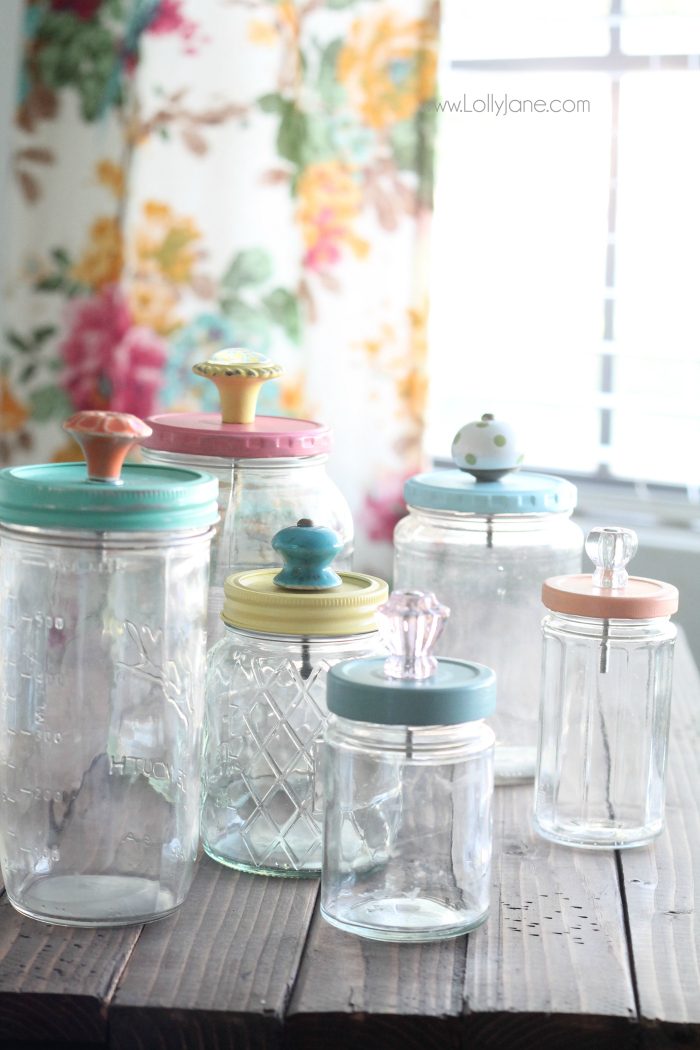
{"points": [[307, 552]]}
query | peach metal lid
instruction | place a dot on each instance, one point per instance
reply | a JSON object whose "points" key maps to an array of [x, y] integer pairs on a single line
{"points": [[609, 593]]}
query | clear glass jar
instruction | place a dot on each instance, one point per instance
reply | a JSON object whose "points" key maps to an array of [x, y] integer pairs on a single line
{"points": [[489, 571], [603, 733], [257, 498], [103, 643], [266, 712], [407, 839]]}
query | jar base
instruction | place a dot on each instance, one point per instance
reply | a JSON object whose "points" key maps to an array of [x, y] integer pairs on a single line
{"points": [[403, 919], [261, 869], [589, 837], [514, 765], [94, 900]]}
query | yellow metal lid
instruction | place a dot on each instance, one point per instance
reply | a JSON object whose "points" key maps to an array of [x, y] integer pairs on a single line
{"points": [[254, 602]]}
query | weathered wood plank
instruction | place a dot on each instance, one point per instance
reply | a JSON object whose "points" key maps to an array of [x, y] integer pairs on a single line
{"points": [[662, 883], [219, 972], [555, 941], [56, 980]]}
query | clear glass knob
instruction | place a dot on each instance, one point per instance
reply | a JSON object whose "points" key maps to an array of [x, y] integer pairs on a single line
{"points": [[410, 624], [610, 549]]}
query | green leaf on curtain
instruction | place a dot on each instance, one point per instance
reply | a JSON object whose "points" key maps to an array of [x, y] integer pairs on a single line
{"points": [[412, 147], [337, 5], [250, 323], [249, 267], [292, 134], [47, 402], [40, 335], [283, 308], [19, 344], [330, 90], [26, 373], [273, 103]]}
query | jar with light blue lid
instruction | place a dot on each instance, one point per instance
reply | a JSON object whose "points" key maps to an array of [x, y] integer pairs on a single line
{"points": [[408, 784], [487, 533], [103, 599]]}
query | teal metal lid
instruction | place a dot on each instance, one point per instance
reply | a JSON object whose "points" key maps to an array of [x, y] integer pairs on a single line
{"points": [[489, 480], [411, 687], [152, 499], [101, 494]]}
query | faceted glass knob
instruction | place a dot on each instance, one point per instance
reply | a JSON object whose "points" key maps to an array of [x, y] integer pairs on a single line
{"points": [[410, 624], [610, 549]]}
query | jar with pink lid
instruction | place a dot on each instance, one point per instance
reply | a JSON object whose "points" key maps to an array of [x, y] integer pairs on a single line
{"points": [[606, 701], [271, 470]]}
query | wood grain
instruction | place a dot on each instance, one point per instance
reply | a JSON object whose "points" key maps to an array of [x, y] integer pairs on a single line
{"points": [[662, 883], [55, 980], [219, 972]]}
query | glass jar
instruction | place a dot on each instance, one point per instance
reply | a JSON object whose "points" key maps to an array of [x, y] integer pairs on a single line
{"points": [[266, 706], [407, 833], [490, 543], [606, 696], [102, 617], [271, 470]]}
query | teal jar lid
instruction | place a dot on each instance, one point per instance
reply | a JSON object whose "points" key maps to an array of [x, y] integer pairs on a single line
{"points": [[411, 687], [148, 498], [520, 493], [489, 480], [456, 692]]}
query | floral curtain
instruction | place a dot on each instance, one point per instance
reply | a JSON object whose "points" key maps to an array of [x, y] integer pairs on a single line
{"points": [[192, 174]]}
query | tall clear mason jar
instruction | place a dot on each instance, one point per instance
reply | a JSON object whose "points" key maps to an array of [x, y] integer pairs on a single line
{"points": [[266, 704], [407, 834], [606, 703], [271, 470], [103, 618], [488, 544]]}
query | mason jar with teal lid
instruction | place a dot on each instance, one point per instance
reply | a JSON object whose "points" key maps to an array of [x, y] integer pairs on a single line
{"points": [[103, 598], [266, 700], [485, 535]]}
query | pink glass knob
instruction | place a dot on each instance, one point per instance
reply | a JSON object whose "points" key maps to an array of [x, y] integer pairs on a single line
{"points": [[106, 438], [410, 624]]}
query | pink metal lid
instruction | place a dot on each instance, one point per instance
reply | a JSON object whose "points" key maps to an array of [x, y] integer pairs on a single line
{"points": [[268, 437], [236, 432], [609, 593]]}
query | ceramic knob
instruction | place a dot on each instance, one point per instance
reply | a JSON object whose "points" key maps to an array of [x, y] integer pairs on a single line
{"points": [[106, 438], [410, 624], [486, 448], [238, 375], [610, 548], [307, 552]]}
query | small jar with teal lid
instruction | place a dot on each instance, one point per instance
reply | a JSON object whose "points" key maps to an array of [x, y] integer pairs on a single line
{"points": [[103, 598], [490, 532], [266, 700], [408, 784]]}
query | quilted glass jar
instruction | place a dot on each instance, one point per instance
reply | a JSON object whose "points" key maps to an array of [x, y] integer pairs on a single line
{"points": [[606, 702], [488, 542], [102, 618], [266, 706], [271, 470], [408, 784]]}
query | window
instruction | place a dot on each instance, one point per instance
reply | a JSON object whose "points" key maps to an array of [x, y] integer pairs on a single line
{"points": [[566, 255]]}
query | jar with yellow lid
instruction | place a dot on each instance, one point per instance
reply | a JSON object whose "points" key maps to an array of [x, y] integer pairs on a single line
{"points": [[266, 700]]}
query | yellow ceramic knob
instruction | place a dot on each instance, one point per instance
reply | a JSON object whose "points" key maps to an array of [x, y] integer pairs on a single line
{"points": [[238, 375]]}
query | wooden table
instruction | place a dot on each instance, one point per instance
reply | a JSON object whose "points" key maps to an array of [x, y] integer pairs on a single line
{"points": [[581, 950]]}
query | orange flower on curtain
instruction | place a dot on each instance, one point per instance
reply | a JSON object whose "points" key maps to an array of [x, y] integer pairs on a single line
{"points": [[170, 201]]}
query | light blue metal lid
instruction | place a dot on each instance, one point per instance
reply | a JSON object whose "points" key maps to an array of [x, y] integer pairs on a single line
{"points": [[520, 493], [411, 687], [148, 498], [457, 692]]}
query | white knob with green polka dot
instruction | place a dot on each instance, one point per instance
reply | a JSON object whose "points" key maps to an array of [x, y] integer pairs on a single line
{"points": [[486, 448]]}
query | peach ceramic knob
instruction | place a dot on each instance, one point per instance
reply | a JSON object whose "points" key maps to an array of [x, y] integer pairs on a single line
{"points": [[238, 375], [105, 438]]}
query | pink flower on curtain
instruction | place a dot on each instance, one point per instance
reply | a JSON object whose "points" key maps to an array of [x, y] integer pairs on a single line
{"points": [[381, 512], [85, 9], [170, 19], [108, 361]]}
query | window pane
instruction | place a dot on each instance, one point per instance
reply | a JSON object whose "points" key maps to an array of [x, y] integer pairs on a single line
{"points": [[517, 28], [519, 266], [661, 27]]}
